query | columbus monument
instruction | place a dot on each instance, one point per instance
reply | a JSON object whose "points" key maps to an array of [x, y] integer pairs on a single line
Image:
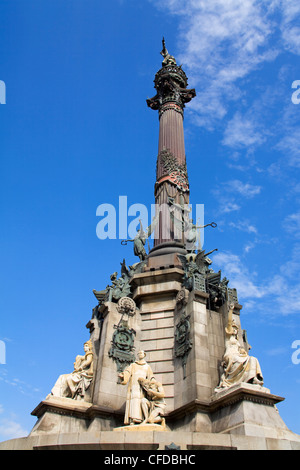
{"points": [[166, 363]]}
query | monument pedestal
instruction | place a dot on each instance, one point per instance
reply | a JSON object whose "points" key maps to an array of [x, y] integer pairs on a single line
{"points": [[184, 344]]}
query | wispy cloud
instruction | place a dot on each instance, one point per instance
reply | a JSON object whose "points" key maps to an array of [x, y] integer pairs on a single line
{"points": [[244, 189], [23, 387], [292, 224], [242, 131], [244, 226], [289, 144], [229, 195], [274, 295], [11, 429], [222, 42], [289, 26], [239, 275]]}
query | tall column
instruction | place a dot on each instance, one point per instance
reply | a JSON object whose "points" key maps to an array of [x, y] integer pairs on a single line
{"points": [[172, 186]]}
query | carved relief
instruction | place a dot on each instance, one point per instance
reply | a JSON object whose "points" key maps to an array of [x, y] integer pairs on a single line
{"points": [[122, 344], [183, 343]]}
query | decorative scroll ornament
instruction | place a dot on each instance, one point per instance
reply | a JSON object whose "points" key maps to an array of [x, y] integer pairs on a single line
{"points": [[126, 306]]}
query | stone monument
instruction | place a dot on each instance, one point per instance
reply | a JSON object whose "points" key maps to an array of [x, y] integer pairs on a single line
{"points": [[166, 357]]}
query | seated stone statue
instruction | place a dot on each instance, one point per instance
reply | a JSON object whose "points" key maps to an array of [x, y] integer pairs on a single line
{"points": [[76, 384], [238, 366]]}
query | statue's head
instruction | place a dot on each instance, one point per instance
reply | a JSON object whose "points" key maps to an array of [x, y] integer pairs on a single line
{"points": [[88, 345], [141, 355]]}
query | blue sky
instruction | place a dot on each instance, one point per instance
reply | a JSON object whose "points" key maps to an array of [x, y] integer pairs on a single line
{"points": [[76, 133]]}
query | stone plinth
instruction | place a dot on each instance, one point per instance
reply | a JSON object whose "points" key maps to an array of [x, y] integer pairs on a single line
{"points": [[123, 440]]}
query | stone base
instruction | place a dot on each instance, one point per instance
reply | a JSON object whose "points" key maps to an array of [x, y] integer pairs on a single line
{"points": [[243, 417], [249, 410], [148, 440]]}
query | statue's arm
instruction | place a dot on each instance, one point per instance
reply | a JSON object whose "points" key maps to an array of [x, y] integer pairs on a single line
{"points": [[125, 375], [85, 364], [159, 393]]}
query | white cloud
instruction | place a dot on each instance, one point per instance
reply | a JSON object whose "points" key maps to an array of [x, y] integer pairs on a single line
{"points": [[289, 29], [242, 131], [220, 43], [227, 193], [244, 226], [291, 268], [238, 275], [292, 224], [249, 246], [290, 144], [227, 206], [244, 189], [11, 429], [275, 296], [288, 300]]}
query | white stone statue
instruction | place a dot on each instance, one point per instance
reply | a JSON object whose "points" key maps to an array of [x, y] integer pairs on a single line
{"points": [[76, 384], [237, 364], [153, 405], [132, 375]]}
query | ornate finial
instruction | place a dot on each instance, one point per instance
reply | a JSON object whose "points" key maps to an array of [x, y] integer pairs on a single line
{"points": [[164, 49], [168, 59], [171, 84]]}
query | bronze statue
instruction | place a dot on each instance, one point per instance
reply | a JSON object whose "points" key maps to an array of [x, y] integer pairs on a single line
{"points": [[168, 58]]}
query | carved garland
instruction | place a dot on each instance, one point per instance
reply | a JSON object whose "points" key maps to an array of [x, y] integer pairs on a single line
{"points": [[175, 173]]}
